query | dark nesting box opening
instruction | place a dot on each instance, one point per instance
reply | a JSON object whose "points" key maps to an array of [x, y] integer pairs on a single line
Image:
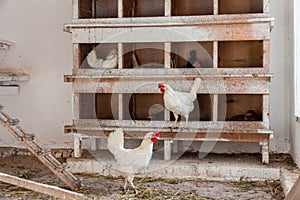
{"points": [[238, 107], [240, 6], [102, 50], [143, 8], [202, 109], [192, 7], [98, 106], [192, 54], [143, 55], [143, 107], [235, 54], [98, 9]]}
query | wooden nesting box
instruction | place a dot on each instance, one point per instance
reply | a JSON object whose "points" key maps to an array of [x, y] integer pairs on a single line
{"points": [[154, 42]]}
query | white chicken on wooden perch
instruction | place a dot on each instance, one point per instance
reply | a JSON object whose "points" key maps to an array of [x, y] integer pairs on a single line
{"points": [[180, 103], [131, 161], [110, 61]]}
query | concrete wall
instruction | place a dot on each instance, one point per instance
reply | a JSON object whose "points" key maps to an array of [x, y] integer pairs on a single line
{"points": [[42, 49], [45, 51]]}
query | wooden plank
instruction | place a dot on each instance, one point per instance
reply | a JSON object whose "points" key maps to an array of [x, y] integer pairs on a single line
{"points": [[266, 55], [75, 105], [7, 75], [76, 56], [77, 146], [170, 21], [216, 7], [174, 72], [120, 8], [9, 89], [168, 8], [215, 54], [204, 135], [76, 9], [95, 124], [167, 150], [149, 85], [266, 110], [39, 187], [266, 6], [222, 32], [167, 59], [4, 45], [294, 193], [215, 106]]}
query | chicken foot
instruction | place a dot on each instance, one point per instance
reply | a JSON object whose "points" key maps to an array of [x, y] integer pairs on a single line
{"points": [[176, 118], [130, 180]]}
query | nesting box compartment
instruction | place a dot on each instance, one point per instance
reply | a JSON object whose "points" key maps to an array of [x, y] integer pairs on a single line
{"points": [[184, 54], [97, 9], [240, 54], [240, 107], [192, 7], [143, 8], [241, 6], [143, 107], [102, 50], [147, 55], [98, 106]]}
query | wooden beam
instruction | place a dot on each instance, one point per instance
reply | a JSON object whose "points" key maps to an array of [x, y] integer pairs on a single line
{"points": [[294, 193], [42, 188]]}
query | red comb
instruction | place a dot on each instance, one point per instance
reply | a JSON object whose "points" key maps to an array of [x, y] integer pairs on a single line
{"points": [[157, 134], [160, 85]]}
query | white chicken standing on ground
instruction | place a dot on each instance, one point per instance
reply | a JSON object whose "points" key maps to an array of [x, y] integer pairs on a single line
{"points": [[110, 61], [131, 161], [180, 103]]}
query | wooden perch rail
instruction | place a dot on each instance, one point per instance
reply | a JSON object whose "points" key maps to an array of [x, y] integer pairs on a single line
{"points": [[28, 140]]}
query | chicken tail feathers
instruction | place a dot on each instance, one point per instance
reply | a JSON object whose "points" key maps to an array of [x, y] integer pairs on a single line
{"points": [[196, 85], [115, 141]]}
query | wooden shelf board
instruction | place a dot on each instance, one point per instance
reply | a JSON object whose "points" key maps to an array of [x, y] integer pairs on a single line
{"points": [[13, 75]]}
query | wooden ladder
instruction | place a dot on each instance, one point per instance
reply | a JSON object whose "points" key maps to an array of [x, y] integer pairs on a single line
{"points": [[28, 140]]}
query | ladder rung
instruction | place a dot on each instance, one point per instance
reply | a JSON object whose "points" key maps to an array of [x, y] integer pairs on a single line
{"points": [[13, 122], [28, 136]]}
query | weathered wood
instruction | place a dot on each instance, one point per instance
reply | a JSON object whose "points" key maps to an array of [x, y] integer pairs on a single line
{"points": [[168, 7], [75, 9], [46, 158], [39, 187], [265, 151], [4, 45], [245, 126], [266, 110], [180, 134], [266, 55], [267, 6], [220, 32], [149, 85], [216, 7], [179, 72], [167, 150], [9, 89], [77, 146], [120, 8], [294, 193], [7, 75]]}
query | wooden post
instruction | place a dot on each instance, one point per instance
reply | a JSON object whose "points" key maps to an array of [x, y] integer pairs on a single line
{"points": [[265, 151], [168, 4], [120, 8], [216, 7], [77, 146], [266, 55], [75, 9], [167, 150]]}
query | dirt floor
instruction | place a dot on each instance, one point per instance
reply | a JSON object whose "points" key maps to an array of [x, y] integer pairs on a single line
{"points": [[99, 187]]}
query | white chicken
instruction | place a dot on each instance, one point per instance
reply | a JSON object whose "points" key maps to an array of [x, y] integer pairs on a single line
{"points": [[180, 103], [131, 161], [110, 61]]}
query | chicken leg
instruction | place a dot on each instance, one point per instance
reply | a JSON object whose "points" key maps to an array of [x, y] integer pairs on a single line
{"points": [[186, 121], [176, 118]]}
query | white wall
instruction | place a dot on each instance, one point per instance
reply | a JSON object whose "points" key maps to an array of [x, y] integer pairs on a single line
{"points": [[45, 51], [42, 49]]}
